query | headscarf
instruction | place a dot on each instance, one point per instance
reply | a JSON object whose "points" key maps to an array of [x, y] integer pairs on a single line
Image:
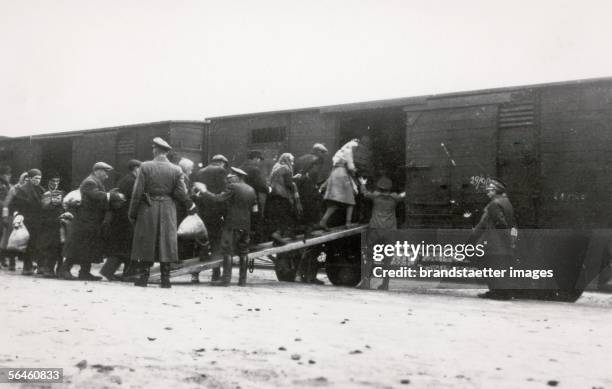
{"points": [[22, 179], [284, 160]]}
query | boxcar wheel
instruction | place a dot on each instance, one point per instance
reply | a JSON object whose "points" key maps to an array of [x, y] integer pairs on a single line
{"points": [[342, 263], [285, 266]]}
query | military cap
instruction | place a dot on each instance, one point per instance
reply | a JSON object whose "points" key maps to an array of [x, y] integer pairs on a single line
{"points": [[219, 157], [162, 144], [240, 172], [496, 184], [102, 166], [319, 147]]}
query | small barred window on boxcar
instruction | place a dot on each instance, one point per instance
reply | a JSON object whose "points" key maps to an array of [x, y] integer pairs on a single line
{"points": [[268, 135]]}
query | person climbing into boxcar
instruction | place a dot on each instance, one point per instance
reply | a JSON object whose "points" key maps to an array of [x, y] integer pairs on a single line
{"points": [[495, 229], [309, 168], [159, 184], [384, 204], [190, 248], [7, 221], [49, 242], [283, 206], [340, 188], [5, 188], [85, 244], [256, 180], [27, 202], [241, 201], [214, 177], [120, 232]]}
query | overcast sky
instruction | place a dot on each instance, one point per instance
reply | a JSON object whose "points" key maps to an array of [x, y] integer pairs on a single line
{"points": [[69, 65]]}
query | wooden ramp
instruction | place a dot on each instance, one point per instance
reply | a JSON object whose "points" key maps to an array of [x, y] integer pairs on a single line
{"points": [[262, 250]]}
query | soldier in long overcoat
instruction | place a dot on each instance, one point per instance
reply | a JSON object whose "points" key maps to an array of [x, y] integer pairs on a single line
{"points": [[495, 228], [84, 245], [159, 184]]}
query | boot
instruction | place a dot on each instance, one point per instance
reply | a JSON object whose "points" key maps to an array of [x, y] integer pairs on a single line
{"points": [[242, 275], [11, 265], [110, 267], [385, 284], [227, 272], [64, 271], [143, 278], [3, 262], [164, 268], [216, 274], [27, 267], [130, 271], [85, 273]]}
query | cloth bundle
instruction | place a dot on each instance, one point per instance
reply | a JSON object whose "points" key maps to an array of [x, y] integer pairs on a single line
{"points": [[19, 237], [192, 227]]}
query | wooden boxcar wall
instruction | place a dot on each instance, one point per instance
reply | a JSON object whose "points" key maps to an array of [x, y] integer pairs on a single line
{"points": [[232, 136], [551, 145]]}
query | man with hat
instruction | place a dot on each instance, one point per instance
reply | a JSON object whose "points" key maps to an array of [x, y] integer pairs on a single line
{"points": [[120, 232], [159, 184], [495, 230], [49, 242], [84, 245], [214, 177], [241, 200]]}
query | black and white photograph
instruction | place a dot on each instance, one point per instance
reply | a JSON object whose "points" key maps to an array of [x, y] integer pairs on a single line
{"points": [[375, 194]]}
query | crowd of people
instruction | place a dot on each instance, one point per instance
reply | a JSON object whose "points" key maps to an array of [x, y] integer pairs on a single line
{"points": [[135, 224]]}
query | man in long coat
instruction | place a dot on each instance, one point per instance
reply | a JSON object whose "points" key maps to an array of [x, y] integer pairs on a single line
{"points": [[214, 177], [494, 229], [120, 232], [159, 183], [27, 202], [84, 245]]}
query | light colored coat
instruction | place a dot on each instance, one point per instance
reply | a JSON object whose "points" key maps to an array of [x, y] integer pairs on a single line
{"points": [[159, 184]]}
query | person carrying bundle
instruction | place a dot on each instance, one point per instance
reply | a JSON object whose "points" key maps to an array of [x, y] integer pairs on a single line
{"points": [[241, 201]]}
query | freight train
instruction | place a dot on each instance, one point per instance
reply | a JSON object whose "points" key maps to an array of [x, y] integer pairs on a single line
{"points": [[550, 143]]}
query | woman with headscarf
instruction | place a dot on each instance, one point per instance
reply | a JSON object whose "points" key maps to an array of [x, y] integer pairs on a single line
{"points": [[27, 202], [283, 204], [7, 220], [341, 187]]}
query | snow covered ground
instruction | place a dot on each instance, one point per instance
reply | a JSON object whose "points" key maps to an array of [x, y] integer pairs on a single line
{"points": [[279, 335]]}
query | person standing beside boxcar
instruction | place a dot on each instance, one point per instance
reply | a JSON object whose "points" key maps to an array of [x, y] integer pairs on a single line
{"points": [[309, 169], [49, 242], [190, 247], [159, 183], [255, 179], [214, 176], [5, 188], [7, 219], [85, 245], [118, 242], [340, 186], [494, 229], [242, 202], [27, 202]]}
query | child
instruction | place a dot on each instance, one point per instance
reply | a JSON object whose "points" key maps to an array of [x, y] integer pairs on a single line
{"points": [[50, 245], [384, 203]]}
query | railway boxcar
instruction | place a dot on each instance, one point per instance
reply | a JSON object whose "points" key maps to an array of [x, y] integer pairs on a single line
{"points": [[73, 153]]}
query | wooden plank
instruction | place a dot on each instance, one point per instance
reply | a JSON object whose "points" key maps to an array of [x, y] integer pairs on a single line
{"points": [[318, 237]]}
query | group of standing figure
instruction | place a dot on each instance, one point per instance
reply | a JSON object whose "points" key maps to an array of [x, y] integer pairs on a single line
{"points": [[135, 224]]}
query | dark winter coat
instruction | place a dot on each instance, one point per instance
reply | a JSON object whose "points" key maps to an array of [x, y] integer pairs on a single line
{"points": [[121, 232], [85, 243], [159, 183]]}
